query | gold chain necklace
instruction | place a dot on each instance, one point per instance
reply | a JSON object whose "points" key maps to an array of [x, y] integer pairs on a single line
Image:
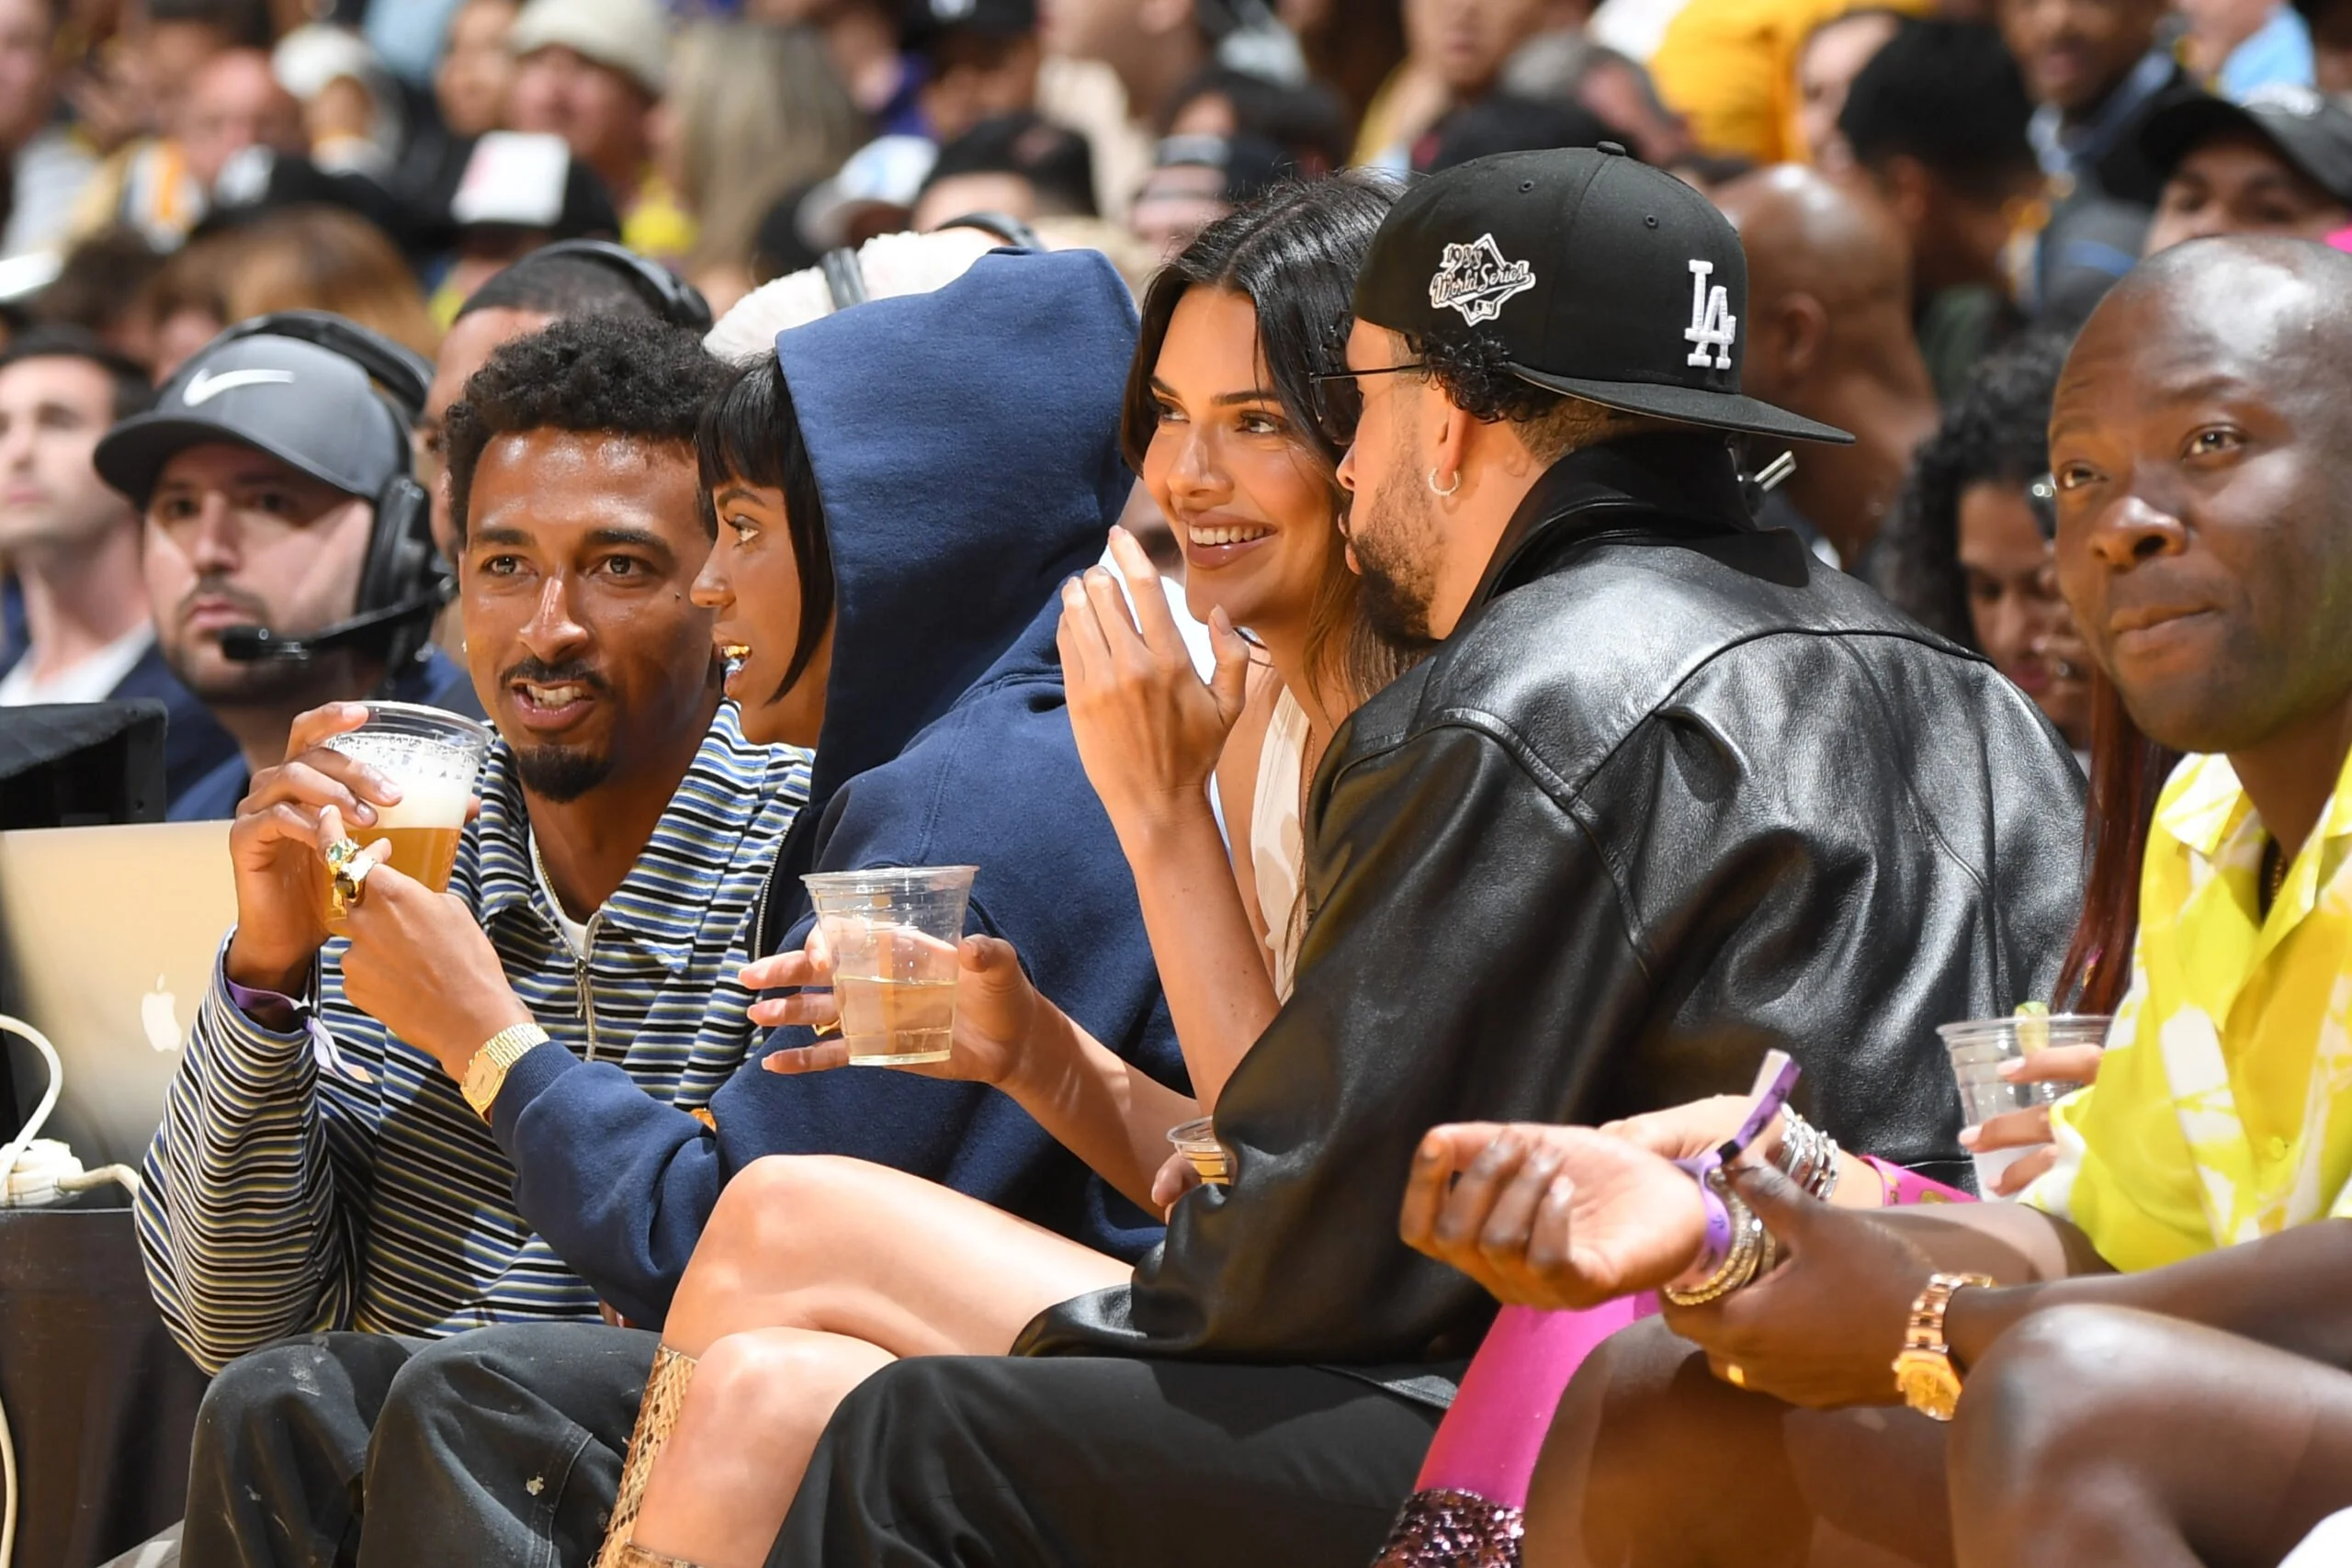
{"points": [[2274, 873]]}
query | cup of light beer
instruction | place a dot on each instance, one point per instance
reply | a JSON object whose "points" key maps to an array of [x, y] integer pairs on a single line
{"points": [[1196, 1141], [435, 757], [1979, 1046], [894, 932]]}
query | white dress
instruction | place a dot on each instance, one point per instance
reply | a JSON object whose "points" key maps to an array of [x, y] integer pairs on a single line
{"points": [[1278, 840]]}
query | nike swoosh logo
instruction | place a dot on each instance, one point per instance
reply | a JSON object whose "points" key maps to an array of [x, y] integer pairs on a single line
{"points": [[204, 386]]}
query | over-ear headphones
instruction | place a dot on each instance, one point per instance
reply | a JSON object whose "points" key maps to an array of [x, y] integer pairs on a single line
{"points": [[845, 273], [679, 302], [404, 581]]}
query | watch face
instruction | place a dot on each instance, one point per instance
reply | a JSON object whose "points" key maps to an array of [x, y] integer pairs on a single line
{"points": [[1927, 1384]]}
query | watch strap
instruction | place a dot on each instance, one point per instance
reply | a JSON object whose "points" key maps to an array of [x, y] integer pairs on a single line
{"points": [[486, 1072], [1925, 1329]]}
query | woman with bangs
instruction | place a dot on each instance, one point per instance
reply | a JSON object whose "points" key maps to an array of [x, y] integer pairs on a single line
{"points": [[788, 1304]]}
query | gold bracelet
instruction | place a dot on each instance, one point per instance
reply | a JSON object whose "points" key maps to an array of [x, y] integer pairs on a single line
{"points": [[1751, 1248]]}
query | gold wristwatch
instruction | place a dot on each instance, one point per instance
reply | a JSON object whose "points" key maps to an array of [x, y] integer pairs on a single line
{"points": [[1923, 1372], [486, 1072]]}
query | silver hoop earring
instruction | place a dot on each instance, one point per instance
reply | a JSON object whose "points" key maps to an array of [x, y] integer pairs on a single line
{"points": [[1449, 489]]}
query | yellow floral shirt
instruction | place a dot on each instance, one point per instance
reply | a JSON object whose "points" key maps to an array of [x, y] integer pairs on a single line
{"points": [[2223, 1108]]}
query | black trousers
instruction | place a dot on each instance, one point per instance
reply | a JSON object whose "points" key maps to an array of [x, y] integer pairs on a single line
{"points": [[501, 1447], [1110, 1463]]}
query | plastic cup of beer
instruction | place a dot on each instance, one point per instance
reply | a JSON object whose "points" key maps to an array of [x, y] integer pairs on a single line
{"points": [[1979, 1046], [435, 757], [894, 932], [1196, 1141]]}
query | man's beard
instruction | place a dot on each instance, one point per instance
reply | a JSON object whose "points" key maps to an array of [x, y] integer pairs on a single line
{"points": [[1395, 544], [562, 774], [558, 772]]}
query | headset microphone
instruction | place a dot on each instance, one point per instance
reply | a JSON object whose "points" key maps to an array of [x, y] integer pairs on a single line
{"points": [[254, 645]]}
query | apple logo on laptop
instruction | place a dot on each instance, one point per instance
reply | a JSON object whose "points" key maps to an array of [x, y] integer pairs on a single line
{"points": [[159, 1015]]}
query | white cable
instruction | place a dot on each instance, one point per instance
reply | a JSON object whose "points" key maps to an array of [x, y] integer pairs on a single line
{"points": [[34, 1171], [17, 1147]]}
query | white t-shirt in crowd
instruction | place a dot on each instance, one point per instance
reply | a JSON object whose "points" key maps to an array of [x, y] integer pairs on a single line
{"points": [[91, 680]]}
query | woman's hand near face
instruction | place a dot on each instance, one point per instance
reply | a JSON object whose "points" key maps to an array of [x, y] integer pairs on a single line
{"points": [[1148, 730]]}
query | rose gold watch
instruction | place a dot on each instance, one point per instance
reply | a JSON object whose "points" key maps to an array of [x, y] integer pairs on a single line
{"points": [[1924, 1374]]}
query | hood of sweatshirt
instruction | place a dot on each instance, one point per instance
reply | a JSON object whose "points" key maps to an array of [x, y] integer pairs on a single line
{"points": [[965, 445]]}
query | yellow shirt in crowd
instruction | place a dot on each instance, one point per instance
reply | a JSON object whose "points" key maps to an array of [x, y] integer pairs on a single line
{"points": [[1729, 66], [2223, 1108]]}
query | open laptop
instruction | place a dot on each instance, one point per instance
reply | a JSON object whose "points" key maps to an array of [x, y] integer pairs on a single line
{"points": [[108, 937]]}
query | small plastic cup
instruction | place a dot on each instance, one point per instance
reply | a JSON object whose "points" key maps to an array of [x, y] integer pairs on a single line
{"points": [[894, 932], [1978, 1046], [1196, 1141], [435, 757]]}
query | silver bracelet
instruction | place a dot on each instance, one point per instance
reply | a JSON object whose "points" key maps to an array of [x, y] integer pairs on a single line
{"points": [[1808, 1156]]}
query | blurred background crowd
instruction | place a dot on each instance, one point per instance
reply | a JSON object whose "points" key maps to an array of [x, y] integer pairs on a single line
{"points": [[174, 166]]}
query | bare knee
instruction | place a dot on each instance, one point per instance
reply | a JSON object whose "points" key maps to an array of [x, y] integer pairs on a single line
{"points": [[2056, 1394], [2045, 1379], [772, 1231], [759, 1402]]}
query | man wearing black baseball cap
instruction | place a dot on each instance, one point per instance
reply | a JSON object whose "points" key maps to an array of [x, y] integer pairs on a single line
{"points": [[1664, 794], [287, 557], [2279, 163]]}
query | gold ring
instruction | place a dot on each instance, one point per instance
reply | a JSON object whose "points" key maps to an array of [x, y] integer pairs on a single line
{"points": [[348, 869], [832, 1027], [1733, 1375]]}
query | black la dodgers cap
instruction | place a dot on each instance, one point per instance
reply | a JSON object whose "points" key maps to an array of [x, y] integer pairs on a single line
{"points": [[1597, 275]]}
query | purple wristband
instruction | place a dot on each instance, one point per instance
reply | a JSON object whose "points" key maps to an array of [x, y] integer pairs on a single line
{"points": [[323, 1049], [1719, 1237], [1774, 1084]]}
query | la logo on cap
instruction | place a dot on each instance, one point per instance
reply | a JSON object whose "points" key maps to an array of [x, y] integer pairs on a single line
{"points": [[1475, 280], [1712, 326]]}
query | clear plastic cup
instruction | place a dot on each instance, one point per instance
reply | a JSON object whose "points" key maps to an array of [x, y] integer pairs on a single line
{"points": [[1196, 1141], [435, 757], [894, 932], [1978, 1047]]}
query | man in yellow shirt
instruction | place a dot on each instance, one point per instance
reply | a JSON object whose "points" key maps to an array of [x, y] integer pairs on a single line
{"points": [[2187, 1409]]}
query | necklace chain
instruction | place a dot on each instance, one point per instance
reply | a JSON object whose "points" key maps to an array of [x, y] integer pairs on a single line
{"points": [[2274, 873]]}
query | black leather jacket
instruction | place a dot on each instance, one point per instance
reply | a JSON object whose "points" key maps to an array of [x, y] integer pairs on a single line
{"points": [[1673, 793]]}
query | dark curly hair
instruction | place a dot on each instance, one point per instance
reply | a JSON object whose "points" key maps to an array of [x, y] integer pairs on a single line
{"points": [[1474, 371], [1999, 433], [610, 375]]}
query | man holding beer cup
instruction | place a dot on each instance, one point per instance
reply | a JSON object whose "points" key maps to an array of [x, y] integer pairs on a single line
{"points": [[313, 1172]]}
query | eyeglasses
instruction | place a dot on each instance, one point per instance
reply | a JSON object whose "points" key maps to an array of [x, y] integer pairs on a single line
{"points": [[1338, 401], [2041, 500]]}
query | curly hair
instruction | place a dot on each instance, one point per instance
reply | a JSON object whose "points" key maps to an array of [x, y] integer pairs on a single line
{"points": [[1474, 371], [610, 375], [1999, 433]]}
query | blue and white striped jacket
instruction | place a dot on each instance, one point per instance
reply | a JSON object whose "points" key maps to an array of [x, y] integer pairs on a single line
{"points": [[283, 1200]]}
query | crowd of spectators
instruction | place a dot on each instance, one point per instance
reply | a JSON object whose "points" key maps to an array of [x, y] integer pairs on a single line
{"points": [[1593, 459]]}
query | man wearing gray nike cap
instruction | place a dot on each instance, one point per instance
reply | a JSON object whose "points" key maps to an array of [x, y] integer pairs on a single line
{"points": [[289, 558]]}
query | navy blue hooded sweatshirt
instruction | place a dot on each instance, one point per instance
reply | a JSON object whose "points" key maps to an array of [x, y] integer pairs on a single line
{"points": [[966, 446]]}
